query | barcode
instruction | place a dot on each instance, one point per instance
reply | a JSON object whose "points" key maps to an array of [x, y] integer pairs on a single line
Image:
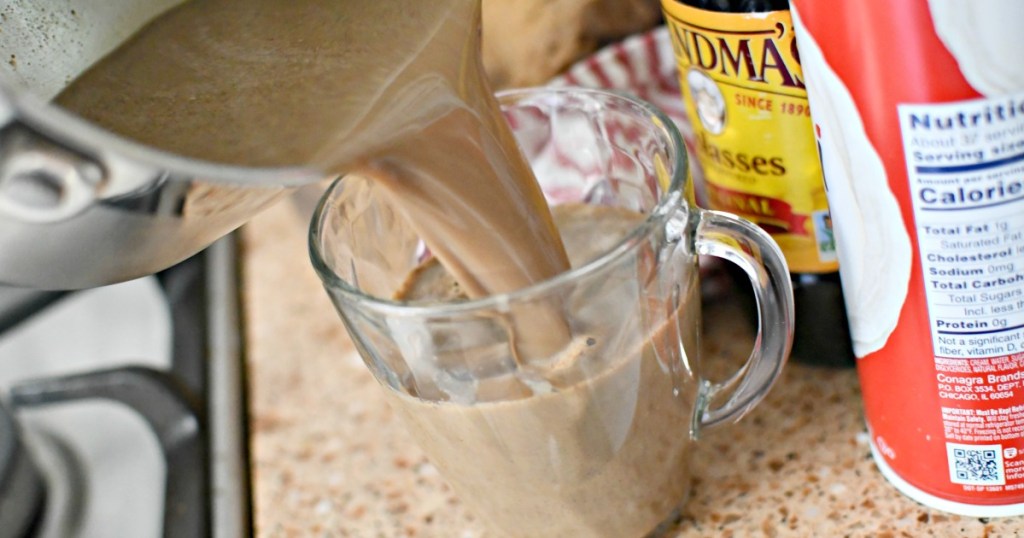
{"points": [[979, 465]]}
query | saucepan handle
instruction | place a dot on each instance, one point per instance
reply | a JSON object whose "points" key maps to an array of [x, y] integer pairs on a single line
{"points": [[738, 241]]}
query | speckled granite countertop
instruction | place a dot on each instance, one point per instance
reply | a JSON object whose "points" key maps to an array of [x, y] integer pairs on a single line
{"points": [[330, 458]]}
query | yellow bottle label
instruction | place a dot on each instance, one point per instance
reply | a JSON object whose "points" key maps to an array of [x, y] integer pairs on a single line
{"points": [[744, 92]]}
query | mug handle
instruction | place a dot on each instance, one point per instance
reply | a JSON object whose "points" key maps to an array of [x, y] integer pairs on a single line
{"points": [[733, 239]]}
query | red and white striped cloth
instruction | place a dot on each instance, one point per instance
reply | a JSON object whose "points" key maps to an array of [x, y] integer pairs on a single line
{"points": [[645, 66]]}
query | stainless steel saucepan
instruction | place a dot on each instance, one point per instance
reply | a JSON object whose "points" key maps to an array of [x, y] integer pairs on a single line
{"points": [[79, 206]]}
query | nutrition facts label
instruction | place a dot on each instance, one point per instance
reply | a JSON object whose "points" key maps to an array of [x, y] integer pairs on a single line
{"points": [[965, 164]]}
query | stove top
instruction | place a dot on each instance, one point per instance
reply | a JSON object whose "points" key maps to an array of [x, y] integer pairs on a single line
{"points": [[128, 402]]}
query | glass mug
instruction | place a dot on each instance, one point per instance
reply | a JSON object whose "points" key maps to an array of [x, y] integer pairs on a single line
{"points": [[596, 441]]}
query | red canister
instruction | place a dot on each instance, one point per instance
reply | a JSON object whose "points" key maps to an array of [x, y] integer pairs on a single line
{"points": [[918, 110]]}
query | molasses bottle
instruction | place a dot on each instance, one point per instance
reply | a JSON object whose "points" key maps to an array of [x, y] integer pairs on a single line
{"points": [[743, 87]]}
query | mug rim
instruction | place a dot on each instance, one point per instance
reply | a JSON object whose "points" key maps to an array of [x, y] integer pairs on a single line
{"points": [[662, 210]]}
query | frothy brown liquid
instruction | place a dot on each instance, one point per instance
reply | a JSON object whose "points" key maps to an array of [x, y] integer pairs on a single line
{"points": [[602, 454], [393, 89]]}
